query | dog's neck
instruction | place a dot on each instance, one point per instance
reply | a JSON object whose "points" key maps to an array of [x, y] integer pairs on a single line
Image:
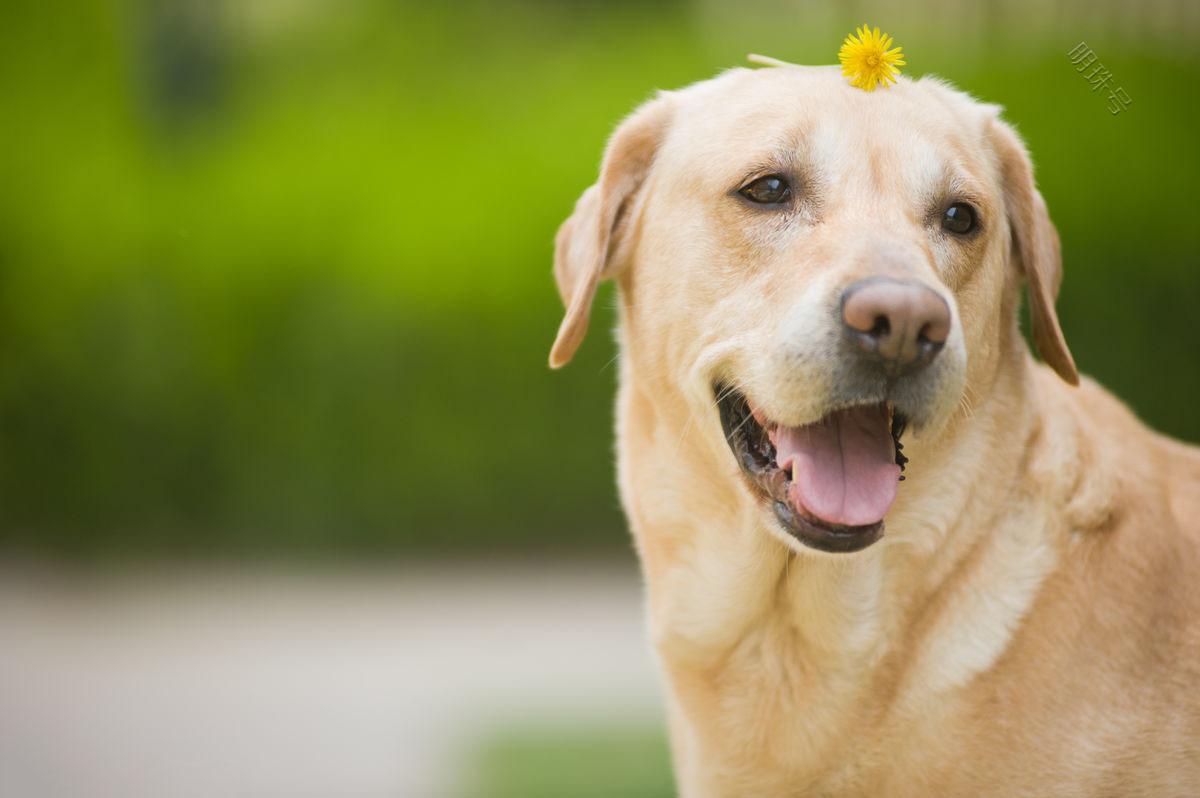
{"points": [[734, 611]]}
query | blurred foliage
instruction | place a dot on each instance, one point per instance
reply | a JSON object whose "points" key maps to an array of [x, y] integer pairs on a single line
{"points": [[576, 762], [276, 276]]}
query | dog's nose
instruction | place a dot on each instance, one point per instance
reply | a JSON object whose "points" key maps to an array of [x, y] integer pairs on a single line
{"points": [[901, 324]]}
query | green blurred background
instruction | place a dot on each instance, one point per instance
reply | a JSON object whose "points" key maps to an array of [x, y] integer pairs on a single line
{"points": [[275, 276], [275, 284]]}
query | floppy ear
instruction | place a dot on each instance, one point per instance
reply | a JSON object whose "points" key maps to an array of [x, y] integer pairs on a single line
{"points": [[1036, 246], [587, 242]]}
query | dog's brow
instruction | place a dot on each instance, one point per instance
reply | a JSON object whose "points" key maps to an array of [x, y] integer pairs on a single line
{"points": [[960, 182], [776, 159], [958, 185]]}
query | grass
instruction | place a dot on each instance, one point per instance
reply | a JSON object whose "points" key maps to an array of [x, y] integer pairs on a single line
{"points": [[573, 762]]}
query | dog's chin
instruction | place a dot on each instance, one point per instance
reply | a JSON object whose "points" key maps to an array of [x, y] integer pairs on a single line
{"points": [[825, 485]]}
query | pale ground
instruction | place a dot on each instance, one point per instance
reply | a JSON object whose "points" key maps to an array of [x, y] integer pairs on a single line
{"points": [[276, 683]]}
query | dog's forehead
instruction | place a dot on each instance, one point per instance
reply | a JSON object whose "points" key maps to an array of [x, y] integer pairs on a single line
{"points": [[745, 116]]}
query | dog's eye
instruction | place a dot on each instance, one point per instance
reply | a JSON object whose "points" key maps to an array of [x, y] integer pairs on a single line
{"points": [[959, 219], [769, 190]]}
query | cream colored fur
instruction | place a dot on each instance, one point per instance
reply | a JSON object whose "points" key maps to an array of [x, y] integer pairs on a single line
{"points": [[1029, 625]]}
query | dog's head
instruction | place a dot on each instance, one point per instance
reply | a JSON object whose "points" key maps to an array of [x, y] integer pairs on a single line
{"points": [[830, 266]]}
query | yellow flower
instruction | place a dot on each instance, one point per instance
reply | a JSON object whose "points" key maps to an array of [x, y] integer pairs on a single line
{"points": [[867, 61]]}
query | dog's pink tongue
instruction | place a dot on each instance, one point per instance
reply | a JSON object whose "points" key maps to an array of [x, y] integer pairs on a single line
{"points": [[843, 467]]}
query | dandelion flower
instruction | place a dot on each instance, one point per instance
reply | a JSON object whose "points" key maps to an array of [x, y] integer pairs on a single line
{"points": [[867, 61]]}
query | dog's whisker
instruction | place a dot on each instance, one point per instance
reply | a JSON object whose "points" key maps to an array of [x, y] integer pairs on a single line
{"points": [[966, 406], [738, 428], [729, 390]]}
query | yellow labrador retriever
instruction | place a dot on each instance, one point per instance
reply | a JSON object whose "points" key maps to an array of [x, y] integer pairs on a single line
{"points": [[886, 553]]}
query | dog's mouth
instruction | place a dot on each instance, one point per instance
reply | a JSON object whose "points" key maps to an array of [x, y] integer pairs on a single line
{"points": [[829, 482]]}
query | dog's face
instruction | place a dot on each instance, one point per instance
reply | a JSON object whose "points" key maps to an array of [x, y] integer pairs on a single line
{"points": [[826, 265]]}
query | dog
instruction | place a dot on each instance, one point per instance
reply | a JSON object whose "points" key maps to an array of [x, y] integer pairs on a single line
{"points": [[886, 553]]}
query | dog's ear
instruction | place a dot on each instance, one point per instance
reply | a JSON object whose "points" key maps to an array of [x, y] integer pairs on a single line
{"points": [[1036, 247], [586, 248]]}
